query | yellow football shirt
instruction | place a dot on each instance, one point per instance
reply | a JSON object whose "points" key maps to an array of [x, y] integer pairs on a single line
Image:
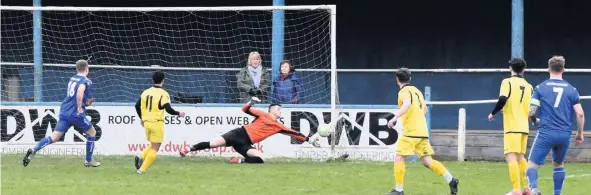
{"points": [[515, 113], [413, 121], [152, 104]]}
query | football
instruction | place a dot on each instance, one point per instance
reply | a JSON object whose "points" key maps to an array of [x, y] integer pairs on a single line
{"points": [[324, 130]]}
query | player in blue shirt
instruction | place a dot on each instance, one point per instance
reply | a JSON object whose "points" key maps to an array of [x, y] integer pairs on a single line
{"points": [[73, 113], [558, 103]]}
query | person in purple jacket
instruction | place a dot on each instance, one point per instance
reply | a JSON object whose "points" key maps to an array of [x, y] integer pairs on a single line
{"points": [[287, 87]]}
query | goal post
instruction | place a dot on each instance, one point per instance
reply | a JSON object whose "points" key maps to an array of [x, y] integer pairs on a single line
{"points": [[201, 49]]}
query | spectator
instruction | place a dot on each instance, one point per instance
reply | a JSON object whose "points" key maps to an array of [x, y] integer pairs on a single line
{"points": [[287, 87], [253, 80]]}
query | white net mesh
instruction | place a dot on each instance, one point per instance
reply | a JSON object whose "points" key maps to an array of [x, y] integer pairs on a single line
{"points": [[201, 52]]}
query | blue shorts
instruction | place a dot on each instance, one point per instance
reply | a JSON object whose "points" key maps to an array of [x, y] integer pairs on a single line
{"points": [[80, 123], [558, 142]]}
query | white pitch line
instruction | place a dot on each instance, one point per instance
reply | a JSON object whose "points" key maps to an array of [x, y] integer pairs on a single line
{"points": [[570, 176]]}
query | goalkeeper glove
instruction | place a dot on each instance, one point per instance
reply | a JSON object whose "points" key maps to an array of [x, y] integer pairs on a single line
{"points": [[314, 140], [253, 101]]}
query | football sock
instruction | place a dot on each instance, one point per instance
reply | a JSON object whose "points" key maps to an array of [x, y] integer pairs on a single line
{"points": [[532, 177], [514, 175], [399, 169], [200, 146], [42, 143], [438, 168], [558, 176], [89, 147], [145, 152], [522, 170], [253, 160], [150, 157]]}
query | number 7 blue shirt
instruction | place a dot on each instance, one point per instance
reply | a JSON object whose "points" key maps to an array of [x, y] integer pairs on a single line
{"points": [[555, 98]]}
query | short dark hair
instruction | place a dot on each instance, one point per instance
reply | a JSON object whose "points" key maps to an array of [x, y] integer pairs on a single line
{"points": [[81, 65], [272, 105], [158, 77], [517, 64], [403, 75], [291, 68], [556, 64]]}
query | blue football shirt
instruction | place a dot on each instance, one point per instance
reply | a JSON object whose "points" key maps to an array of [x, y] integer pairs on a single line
{"points": [[556, 99], [69, 105]]}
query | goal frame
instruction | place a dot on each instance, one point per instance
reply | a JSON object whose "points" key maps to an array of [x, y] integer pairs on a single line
{"points": [[330, 8]]}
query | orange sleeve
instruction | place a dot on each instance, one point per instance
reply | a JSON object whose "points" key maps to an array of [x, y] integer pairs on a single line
{"points": [[292, 133], [252, 111]]}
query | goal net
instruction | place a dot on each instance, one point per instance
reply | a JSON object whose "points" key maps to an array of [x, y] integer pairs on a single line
{"points": [[202, 50]]}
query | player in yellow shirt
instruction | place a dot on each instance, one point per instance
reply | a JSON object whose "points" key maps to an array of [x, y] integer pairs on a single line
{"points": [[514, 99], [415, 138], [150, 108]]}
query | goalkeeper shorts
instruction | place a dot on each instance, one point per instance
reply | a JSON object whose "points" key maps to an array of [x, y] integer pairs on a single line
{"points": [[239, 140]]}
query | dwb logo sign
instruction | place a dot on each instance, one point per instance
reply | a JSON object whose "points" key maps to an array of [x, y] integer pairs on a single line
{"points": [[355, 127], [32, 125]]}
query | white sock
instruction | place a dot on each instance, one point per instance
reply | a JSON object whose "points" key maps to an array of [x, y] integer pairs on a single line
{"points": [[448, 177], [398, 187]]}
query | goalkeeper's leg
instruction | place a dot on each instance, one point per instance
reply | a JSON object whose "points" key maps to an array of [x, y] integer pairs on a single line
{"points": [[217, 142], [251, 155]]}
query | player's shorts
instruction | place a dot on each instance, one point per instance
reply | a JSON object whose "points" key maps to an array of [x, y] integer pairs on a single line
{"points": [[410, 145], [515, 143], [154, 131], [239, 140], [80, 123], [558, 142]]}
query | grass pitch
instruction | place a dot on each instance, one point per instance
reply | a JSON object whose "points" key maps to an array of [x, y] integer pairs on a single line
{"points": [[172, 175]]}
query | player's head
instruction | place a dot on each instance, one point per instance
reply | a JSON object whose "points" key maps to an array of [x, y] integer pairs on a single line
{"points": [[556, 64], [275, 110], [254, 59], [517, 65], [82, 67], [403, 76], [158, 78], [286, 67]]}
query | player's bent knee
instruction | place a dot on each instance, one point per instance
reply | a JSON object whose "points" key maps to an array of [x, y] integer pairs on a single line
{"points": [[217, 142], [91, 132], [557, 164], [426, 160], [155, 146], [532, 164], [55, 136], [511, 157], [254, 153]]}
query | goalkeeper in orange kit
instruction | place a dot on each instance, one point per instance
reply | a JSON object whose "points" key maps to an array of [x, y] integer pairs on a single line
{"points": [[242, 138]]}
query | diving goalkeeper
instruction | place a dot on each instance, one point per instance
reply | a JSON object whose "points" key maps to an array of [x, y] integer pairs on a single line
{"points": [[241, 139]]}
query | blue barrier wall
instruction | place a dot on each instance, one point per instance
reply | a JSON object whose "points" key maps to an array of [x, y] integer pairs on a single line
{"points": [[416, 34], [354, 88]]}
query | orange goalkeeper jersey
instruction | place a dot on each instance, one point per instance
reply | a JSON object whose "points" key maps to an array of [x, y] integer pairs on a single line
{"points": [[264, 126]]}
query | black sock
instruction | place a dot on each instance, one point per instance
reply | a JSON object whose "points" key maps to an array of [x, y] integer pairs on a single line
{"points": [[200, 146], [253, 160]]}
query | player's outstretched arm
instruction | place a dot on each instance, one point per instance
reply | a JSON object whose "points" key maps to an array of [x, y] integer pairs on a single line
{"points": [[171, 110], [403, 109], [247, 108], [138, 107], [533, 114], [580, 123], [80, 97], [498, 107], [299, 136]]}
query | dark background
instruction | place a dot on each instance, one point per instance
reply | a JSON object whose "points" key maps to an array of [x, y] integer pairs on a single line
{"points": [[417, 34], [431, 33]]}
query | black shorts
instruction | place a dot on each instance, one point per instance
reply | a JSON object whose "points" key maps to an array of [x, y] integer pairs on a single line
{"points": [[239, 140]]}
